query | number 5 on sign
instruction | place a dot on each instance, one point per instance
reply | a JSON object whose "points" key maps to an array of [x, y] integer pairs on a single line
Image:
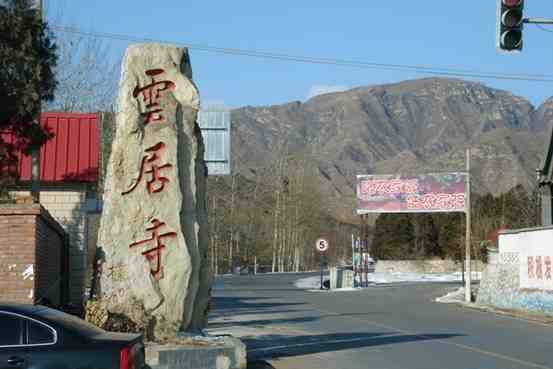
{"points": [[321, 245]]}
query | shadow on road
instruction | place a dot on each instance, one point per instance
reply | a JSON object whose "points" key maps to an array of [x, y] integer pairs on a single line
{"points": [[265, 322], [279, 346], [238, 304], [264, 289]]}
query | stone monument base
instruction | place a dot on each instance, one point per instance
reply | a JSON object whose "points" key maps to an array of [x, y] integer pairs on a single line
{"points": [[211, 352]]}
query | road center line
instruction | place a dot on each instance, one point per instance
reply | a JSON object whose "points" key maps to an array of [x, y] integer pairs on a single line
{"points": [[459, 345], [318, 343]]}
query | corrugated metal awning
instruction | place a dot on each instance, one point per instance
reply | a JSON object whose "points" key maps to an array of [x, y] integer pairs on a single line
{"points": [[215, 127], [72, 155]]}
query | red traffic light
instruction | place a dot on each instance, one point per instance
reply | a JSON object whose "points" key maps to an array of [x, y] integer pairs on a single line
{"points": [[512, 3]]}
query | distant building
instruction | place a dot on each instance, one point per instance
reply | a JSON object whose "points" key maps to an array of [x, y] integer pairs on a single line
{"points": [[215, 125], [69, 172]]}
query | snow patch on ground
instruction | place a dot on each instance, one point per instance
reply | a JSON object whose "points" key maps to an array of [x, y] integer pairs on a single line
{"points": [[380, 278], [334, 290], [387, 278], [453, 297], [304, 271], [225, 275], [309, 283]]}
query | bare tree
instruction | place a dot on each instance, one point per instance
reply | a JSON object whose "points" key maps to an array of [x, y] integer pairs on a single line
{"points": [[273, 216], [232, 222], [276, 214], [87, 72]]}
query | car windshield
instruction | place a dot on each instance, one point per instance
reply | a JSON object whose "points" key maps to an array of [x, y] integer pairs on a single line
{"points": [[69, 322]]}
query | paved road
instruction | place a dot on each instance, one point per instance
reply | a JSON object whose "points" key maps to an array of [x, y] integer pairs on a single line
{"points": [[396, 326]]}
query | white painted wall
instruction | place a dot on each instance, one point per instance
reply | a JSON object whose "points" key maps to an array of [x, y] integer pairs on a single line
{"points": [[534, 255]]}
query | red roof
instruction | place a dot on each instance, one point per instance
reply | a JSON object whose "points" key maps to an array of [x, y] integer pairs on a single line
{"points": [[493, 237], [72, 155]]}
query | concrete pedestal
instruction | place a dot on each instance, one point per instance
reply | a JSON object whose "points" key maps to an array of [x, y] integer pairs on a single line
{"points": [[208, 353]]}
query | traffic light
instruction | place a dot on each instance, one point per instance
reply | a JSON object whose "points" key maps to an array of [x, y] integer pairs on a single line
{"points": [[510, 17]]}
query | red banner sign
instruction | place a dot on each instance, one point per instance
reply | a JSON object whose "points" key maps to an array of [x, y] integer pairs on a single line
{"points": [[438, 192]]}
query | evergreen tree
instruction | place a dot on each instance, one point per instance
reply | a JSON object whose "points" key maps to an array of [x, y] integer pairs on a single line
{"points": [[394, 237], [27, 59], [427, 234], [450, 234]]}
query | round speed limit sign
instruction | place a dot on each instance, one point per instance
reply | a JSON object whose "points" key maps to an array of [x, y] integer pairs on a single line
{"points": [[321, 245]]}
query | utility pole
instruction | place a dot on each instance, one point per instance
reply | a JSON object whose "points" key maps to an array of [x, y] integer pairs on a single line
{"points": [[352, 252], [468, 274], [35, 154]]}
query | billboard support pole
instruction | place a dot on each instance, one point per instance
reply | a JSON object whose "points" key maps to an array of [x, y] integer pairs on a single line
{"points": [[468, 274], [364, 249], [366, 260], [360, 251]]}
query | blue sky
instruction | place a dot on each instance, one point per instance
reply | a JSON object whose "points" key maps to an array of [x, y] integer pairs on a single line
{"points": [[433, 32]]}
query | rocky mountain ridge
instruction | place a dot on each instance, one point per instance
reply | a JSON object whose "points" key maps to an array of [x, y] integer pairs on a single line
{"points": [[409, 127]]}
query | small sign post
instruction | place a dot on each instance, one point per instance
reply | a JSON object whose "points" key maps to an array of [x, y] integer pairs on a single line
{"points": [[321, 246]]}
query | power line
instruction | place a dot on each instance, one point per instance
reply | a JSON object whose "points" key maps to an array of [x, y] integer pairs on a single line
{"points": [[432, 70], [543, 28]]}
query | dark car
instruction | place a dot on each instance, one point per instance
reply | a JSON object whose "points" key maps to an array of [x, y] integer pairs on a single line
{"points": [[37, 337]]}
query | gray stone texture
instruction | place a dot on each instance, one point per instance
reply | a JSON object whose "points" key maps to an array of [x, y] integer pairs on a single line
{"points": [[175, 293]]}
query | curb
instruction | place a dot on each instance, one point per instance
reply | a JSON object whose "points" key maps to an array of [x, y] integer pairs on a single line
{"points": [[519, 314]]}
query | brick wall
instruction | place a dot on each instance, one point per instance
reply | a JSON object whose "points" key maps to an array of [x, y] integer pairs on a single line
{"points": [[31, 246], [68, 204], [16, 255]]}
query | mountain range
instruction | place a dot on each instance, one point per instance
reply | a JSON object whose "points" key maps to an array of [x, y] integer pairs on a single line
{"points": [[410, 127]]}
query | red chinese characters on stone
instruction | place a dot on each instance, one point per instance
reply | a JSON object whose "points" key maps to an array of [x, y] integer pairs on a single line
{"points": [[548, 267], [531, 274], [150, 165], [154, 254], [151, 94], [539, 269]]}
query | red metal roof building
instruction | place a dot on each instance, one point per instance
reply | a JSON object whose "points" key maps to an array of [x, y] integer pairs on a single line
{"points": [[69, 164], [72, 155]]}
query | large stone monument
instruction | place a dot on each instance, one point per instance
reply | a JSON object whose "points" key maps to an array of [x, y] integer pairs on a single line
{"points": [[154, 223]]}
